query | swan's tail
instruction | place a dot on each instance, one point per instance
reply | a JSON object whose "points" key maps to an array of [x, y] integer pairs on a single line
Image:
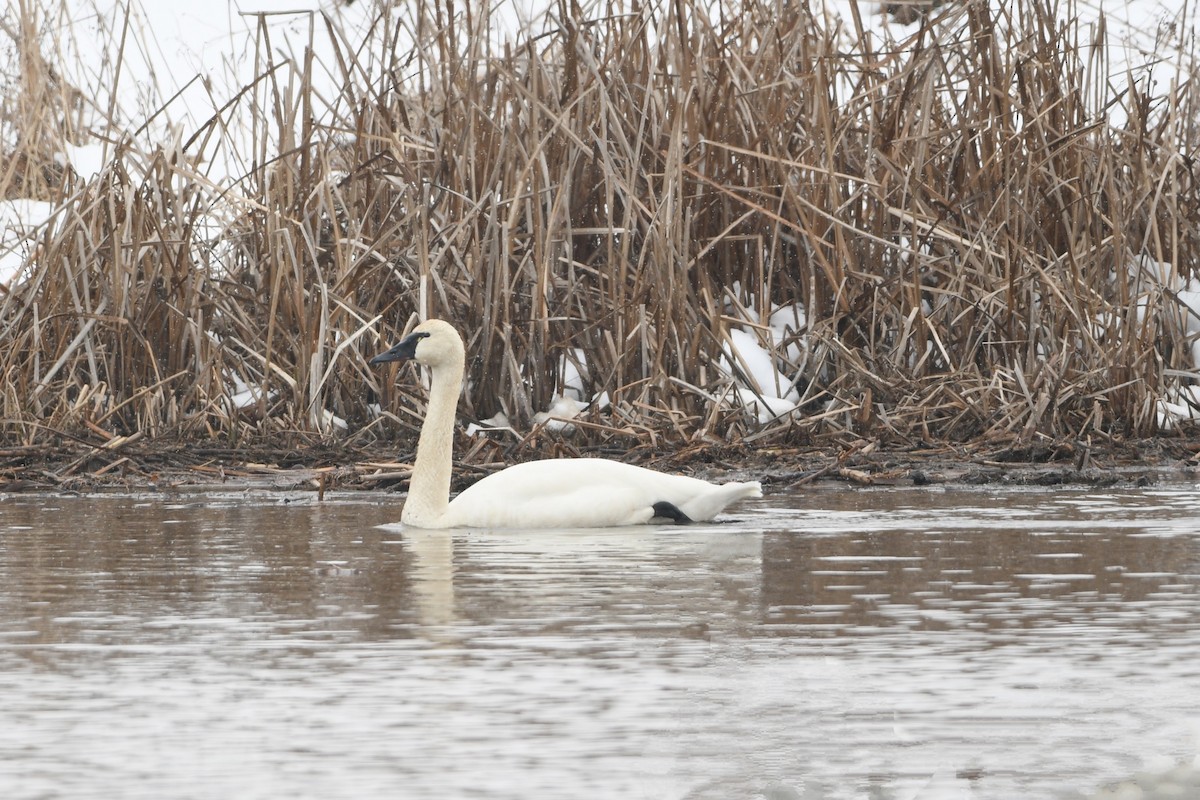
{"points": [[708, 504]]}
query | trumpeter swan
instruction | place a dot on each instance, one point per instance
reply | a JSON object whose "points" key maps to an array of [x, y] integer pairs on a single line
{"points": [[554, 493]]}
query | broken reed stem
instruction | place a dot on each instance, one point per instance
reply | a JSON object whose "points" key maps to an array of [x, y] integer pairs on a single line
{"points": [[977, 250]]}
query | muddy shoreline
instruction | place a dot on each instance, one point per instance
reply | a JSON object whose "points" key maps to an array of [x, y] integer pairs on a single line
{"points": [[323, 466]]}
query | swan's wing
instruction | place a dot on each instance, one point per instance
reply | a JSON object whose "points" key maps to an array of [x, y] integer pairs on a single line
{"points": [[499, 504], [587, 492]]}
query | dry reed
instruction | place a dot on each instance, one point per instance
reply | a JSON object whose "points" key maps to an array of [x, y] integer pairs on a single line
{"points": [[952, 210]]}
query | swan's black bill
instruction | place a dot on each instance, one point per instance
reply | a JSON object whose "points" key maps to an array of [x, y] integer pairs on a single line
{"points": [[405, 350]]}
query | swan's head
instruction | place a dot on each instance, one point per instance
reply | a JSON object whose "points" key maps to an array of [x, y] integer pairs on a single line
{"points": [[431, 343]]}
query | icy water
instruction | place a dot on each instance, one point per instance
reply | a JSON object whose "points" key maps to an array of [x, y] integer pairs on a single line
{"points": [[828, 644]]}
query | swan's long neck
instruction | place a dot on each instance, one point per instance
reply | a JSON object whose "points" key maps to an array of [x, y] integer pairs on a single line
{"points": [[429, 489]]}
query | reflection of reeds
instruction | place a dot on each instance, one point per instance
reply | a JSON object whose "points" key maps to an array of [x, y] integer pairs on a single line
{"points": [[953, 214]]}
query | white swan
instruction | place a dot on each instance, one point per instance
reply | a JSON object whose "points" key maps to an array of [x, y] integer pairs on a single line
{"points": [[554, 493]]}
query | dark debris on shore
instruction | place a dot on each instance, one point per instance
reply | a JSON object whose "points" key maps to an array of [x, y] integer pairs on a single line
{"points": [[320, 465]]}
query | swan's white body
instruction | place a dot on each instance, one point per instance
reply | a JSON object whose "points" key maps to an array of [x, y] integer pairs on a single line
{"points": [[555, 493]]}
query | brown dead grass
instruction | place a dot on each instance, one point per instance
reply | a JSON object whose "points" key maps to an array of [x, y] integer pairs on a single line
{"points": [[952, 210]]}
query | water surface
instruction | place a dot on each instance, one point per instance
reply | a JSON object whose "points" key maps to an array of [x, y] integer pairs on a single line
{"points": [[828, 644]]}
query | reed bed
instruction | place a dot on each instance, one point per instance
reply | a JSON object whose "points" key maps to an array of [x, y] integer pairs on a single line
{"points": [[986, 239]]}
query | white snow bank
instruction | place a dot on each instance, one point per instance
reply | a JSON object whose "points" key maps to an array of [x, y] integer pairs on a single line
{"points": [[569, 400], [762, 360]]}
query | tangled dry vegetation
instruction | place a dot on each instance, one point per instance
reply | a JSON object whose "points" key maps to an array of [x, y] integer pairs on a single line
{"points": [[963, 228]]}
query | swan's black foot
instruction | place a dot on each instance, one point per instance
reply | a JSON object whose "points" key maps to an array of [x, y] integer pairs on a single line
{"points": [[665, 510]]}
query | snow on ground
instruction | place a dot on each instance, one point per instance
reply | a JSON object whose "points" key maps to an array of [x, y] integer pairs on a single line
{"points": [[761, 387], [182, 62]]}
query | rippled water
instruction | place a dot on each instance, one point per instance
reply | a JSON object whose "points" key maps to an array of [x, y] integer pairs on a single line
{"points": [[831, 644]]}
